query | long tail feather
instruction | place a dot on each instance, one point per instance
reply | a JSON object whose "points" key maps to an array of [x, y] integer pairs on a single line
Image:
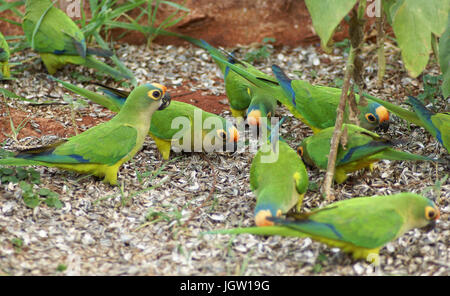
{"points": [[19, 162], [92, 62], [93, 96], [392, 154], [266, 230], [99, 52]]}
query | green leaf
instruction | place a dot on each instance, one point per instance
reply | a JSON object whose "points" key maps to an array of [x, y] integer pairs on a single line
{"points": [[413, 22], [31, 200], [44, 192], [444, 59], [53, 202], [326, 16], [26, 187]]}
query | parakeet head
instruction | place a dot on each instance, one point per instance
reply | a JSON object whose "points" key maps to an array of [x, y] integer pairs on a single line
{"points": [[422, 212], [229, 138], [374, 116], [303, 153], [146, 98], [263, 211]]}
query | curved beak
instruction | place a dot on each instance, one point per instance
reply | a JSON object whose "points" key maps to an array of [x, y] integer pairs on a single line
{"points": [[165, 101]]}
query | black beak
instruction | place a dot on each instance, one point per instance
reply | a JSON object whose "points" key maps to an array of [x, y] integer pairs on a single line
{"points": [[165, 101], [430, 226], [384, 126]]}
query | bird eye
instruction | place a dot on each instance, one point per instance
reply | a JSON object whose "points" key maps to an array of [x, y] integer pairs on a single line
{"points": [[154, 94], [431, 213], [300, 150], [371, 118], [222, 134]]}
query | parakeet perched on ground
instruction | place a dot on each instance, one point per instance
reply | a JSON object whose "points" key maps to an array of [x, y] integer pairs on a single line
{"points": [[312, 104], [315, 105], [360, 226], [239, 91], [437, 124], [59, 41], [101, 150], [205, 131], [362, 149], [4, 58], [262, 105], [279, 180]]}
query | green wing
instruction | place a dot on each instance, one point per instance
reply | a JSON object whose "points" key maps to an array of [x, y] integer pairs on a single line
{"points": [[56, 33], [102, 144], [442, 123], [367, 222]]}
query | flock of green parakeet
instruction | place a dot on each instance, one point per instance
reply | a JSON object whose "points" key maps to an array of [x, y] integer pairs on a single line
{"points": [[278, 176]]}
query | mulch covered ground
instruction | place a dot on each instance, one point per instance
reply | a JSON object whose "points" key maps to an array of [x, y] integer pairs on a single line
{"points": [[152, 223]]}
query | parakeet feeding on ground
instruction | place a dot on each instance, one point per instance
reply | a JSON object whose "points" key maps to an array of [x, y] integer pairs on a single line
{"points": [[437, 124], [262, 105], [59, 41], [101, 150], [239, 91], [279, 180], [4, 58], [315, 105], [360, 226], [205, 131], [362, 149]]}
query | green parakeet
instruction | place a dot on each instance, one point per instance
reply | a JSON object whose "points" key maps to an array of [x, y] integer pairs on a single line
{"points": [[205, 131], [262, 105], [362, 149], [4, 58], [437, 124], [315, 105], [239, 91], [360, 226], [59, 41], [101, 150], [279, 180]]}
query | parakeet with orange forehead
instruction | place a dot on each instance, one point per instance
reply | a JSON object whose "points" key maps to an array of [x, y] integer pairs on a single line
{"points": [[315, 105], [437, 124], [362, 149], [200, 130], [102, 150], [360, 226], [278, 178]]}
